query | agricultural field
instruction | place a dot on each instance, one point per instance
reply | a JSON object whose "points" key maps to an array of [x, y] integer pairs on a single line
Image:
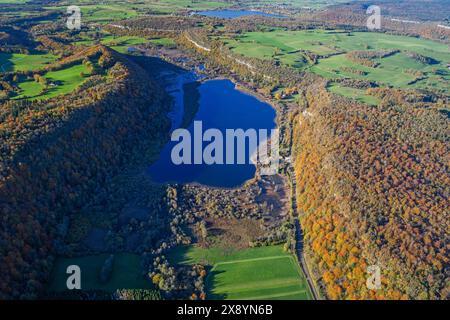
{"points": [[111, 10], [24, 62], [295, 4], [397, 61], [162, 41], [13, 1], [106, 13], [122, 43], [126, 273], [100, 13], [353, 93], [167, 6], [255, 273], [58, 83], [115, 10]]}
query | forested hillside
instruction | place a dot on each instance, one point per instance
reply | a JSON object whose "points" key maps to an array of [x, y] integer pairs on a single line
{"points": [[57, 153], [373, 189]]}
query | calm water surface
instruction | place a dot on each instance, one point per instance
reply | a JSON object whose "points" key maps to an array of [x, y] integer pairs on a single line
{"points": [[220, 106]]}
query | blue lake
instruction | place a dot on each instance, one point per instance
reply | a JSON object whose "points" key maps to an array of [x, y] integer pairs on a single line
{"points": [[231, 14], [220, 106]]}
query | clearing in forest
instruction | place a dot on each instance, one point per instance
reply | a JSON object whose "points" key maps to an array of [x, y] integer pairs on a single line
{"points": [[248, 274]]}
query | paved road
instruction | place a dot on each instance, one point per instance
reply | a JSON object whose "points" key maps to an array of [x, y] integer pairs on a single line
{"points": [[299, 238], [301, 258]]}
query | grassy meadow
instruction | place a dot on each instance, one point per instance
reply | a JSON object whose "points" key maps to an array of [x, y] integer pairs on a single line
{"points": [[400, 69], [162, 41], [256, 273], [354, 93], [296, 4], [100, 13], [122, 43], [64, 81], [14, 1], [115, 10], [126, 273], [24, 62]]}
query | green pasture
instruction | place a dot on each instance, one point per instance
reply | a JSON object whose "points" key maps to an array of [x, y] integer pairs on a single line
{"points": [[14, 1], [121, 44], [248, 274], [331, 46], [114, 10], [29, 89], [297, 4], [64, 81], [168, 6], [118, 43], [106, 12], [24, 62], [162, 41], [353, 93], [126, 273]]}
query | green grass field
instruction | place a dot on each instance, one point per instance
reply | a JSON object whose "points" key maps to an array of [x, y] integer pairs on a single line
{"points": [[65, 81], [163, 41], [168, 6], [397, 70], [110, 10], [297, 4], [353, 93], [115, 10], [120, 43], [24, 62], [14, 1], [255, 273], [107, 13], [29, 89], [126, 273], [101, 13]]}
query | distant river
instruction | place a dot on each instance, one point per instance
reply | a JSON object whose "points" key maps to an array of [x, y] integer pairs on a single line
{"points": [[231, 14], [220, 106]]}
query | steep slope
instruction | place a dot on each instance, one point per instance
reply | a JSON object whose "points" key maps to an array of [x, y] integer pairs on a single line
{"points": [[57, 154], [373, 186]]}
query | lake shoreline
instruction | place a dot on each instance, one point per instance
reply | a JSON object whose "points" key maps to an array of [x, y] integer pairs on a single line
{"points": [[221, 106], [190, 64]]}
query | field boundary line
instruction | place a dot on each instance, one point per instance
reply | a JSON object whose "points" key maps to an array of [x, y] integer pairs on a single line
{"points": [[265, 284], [249, 260]]}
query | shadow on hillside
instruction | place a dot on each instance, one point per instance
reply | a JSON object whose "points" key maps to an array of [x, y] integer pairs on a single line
{"points": [[210, 283], [155, 66], [6, 65]]}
